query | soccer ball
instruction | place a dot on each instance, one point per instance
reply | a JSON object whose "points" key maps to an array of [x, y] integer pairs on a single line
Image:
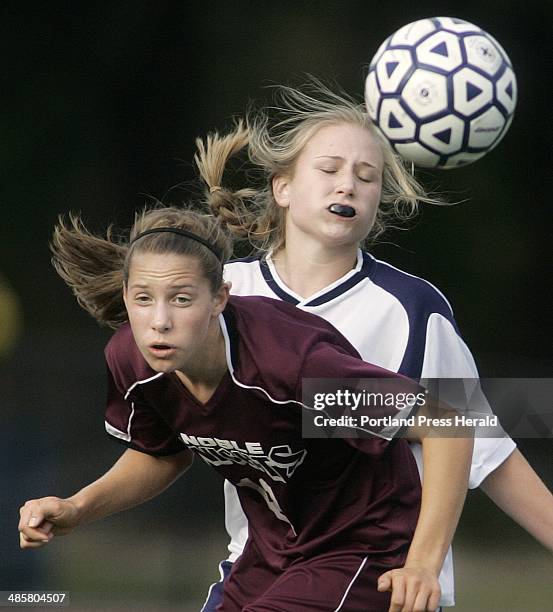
{"points": [[442, 91]]}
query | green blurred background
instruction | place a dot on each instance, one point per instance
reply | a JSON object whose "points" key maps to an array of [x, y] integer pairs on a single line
{"points": [[101, 105]]}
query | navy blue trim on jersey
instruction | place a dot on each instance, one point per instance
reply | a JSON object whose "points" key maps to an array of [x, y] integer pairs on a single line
{"points": [[365, 271], [405, 288], [367, 268], [247, 259], [274, 286], [215, 593]]}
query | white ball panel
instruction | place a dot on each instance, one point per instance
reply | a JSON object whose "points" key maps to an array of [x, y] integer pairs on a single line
{"points": [[457, 25], [444, 135], [392, 67], [507, 90], [482, 53], [379, 52], [441, 50], [501, 49], [416, 153], [395, 122], [372, 95], [505, 130], [471, 91], [485, 128], [425, 93], [411, 33], [462, 159]]}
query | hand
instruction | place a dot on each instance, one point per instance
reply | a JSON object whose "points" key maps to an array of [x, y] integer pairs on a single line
{"points": [[42, 519], [414, 589]]}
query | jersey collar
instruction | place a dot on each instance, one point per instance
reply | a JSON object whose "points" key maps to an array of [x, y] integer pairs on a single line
{"points": [[363, 268]]}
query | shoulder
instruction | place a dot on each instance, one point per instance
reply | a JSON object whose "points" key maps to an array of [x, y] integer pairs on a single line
{"points": [[290, 327], [244, 265], [434, 346], [124, 360], [271, 340], [121, 345], [417, 295], [246, 276], [242, 261]]}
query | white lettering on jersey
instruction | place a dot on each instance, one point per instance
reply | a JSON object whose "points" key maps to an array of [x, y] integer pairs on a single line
{"points": [[279, 463]]}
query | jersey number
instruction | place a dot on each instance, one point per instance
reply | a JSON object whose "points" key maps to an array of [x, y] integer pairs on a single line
{"points": [[264, 489]]}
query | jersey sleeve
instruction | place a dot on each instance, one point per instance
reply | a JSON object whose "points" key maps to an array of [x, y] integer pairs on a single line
{"points": [[137, 425], [341, 370], [447, 356]]}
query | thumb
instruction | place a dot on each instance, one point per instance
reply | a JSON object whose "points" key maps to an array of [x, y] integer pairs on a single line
{"points": [[44, 512], [36, 518], [385, 582]]}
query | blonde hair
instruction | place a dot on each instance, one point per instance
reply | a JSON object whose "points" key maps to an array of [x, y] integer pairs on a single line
{"points": [[275, 137], [95, 267]]}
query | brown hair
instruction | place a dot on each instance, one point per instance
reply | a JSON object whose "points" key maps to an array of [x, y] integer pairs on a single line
{"points": [[95, 267]]}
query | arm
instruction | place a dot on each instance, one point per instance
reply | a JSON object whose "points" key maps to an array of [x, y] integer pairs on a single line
{"points": [[446, 464], [446, 470], [509, 482], [518, 491], [134, 478]]}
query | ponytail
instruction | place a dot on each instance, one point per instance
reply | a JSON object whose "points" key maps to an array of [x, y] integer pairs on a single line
{"points": [[235, 209], [92, 267]]}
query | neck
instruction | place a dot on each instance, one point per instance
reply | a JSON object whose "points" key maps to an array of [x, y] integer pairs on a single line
{"points": [[202, 377], [313, 267]]}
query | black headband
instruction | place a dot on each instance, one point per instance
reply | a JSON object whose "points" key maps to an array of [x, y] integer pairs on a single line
{"points": [[181, 232]]}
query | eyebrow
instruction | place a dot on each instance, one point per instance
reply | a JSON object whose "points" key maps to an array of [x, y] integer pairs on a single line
{"points": [[339, 158], [175, 286]]}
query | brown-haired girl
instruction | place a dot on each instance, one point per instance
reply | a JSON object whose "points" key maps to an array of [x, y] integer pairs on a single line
{"points": [[192, 371]]}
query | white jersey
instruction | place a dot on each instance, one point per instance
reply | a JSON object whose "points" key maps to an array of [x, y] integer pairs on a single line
{"points": [[394, 320]]}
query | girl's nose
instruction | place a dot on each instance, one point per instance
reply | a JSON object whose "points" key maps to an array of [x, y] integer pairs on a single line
{"points": [[161, 321]]}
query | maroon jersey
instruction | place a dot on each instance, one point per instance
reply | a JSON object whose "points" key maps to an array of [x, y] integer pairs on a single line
{"points": [[302, 497]]}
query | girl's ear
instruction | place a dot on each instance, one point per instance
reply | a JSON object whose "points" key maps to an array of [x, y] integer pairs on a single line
{"points": [[220, 299], [281, 188]]}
